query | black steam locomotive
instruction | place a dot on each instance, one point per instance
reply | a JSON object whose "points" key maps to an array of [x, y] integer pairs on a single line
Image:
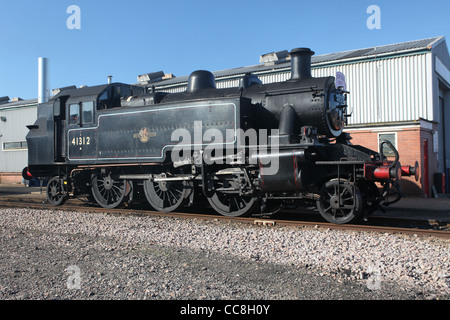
{"points": [[251, 149]]}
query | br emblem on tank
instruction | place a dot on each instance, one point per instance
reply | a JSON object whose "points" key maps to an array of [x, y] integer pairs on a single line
{"points": [[144, 135]]}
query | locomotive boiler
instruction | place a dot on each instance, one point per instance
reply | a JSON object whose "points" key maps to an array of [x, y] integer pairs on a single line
{"points": [[247, 150]]}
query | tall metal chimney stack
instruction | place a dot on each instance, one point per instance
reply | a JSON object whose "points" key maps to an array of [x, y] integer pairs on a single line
{"points": [[43, 80], [109, 79]]}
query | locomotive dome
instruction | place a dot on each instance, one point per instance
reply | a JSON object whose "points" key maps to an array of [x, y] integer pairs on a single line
{"points": [[201, 79]]}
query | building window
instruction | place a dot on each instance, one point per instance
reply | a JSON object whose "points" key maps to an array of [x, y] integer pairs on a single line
{"points": [[17, 145], [392, 138]]}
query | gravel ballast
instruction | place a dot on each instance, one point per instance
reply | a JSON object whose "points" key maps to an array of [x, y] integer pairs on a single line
{"points": [[54, 254]]}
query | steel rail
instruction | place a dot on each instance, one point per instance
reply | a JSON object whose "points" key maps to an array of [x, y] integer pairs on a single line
{"points": [[248, 220]]}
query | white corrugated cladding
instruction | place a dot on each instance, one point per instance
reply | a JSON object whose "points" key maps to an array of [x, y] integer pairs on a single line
{"points": [[14, 130], [227, 83], [386, 90], [393, 89], [274, 77], [383, 90]]}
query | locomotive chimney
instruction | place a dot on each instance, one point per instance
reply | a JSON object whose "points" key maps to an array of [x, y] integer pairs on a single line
{"points": [[301, 63]]}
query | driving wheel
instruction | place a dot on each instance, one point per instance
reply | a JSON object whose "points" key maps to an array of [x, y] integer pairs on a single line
{"points": [[109, 192], [228, 200], [168, 195]]}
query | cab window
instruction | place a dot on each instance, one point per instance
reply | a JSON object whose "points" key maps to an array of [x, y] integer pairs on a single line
{"points": [[74, 114], [103, 101], [126, 91], [88, 112]]}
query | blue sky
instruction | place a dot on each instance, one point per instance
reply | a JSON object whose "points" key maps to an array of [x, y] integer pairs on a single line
{"points": [[128, 38]]}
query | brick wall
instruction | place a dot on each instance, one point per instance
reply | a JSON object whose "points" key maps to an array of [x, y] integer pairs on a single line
{"points": [[10, 178], [410, 148]]}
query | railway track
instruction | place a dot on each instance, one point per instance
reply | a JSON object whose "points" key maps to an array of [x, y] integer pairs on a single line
{"points": [[375, 224]]}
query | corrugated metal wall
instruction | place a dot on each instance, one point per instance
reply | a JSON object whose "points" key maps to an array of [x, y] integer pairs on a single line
{"points": [[14, 130], [386, 90], [275, 77], [383, 90]]}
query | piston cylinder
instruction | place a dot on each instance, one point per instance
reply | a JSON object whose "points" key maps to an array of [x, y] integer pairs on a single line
{"points": [[280, 171]]}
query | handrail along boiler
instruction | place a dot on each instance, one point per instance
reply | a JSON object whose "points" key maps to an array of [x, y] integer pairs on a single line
{"points": [[117, 142]]}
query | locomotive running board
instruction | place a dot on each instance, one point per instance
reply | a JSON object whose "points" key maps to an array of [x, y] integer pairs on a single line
{"points": [[339, 162], [155, 179]]}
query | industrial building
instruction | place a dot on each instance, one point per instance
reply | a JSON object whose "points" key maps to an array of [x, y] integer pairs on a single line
{"points": [[15, 115], [399, 92]]}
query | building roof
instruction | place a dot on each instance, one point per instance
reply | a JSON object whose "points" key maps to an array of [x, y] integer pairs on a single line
{"points": [[319, 60], [396, 48], [19, 104]]}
